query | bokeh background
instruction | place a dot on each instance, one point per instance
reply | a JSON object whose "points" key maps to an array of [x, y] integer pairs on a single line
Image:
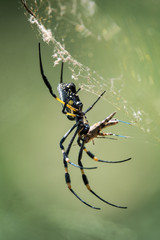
{"points": [[34, 200]]}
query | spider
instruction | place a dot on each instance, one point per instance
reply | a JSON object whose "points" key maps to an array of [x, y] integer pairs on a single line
{"points": [[72, 108]]}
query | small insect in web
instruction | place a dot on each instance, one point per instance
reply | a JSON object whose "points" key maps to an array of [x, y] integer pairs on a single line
{"points": [[72, 108]]}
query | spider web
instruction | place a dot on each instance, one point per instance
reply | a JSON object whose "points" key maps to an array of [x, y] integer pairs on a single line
{"points": [[65, 23]]}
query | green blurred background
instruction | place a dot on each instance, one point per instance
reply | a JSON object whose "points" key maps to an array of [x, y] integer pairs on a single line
{"points": [[34, 201]]}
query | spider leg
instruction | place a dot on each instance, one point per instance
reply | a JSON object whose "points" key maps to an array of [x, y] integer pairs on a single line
{"points": [[91, 155], [65, 153], [61, 81], [86, 182], [78, 90], [65, 162], [48, 85], [103, 135], [68, 182], [64, 108], [61, 78], [94, 103], [65, 157]]}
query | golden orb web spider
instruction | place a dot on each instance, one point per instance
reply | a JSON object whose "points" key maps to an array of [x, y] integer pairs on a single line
{"points": [[72, 107]]}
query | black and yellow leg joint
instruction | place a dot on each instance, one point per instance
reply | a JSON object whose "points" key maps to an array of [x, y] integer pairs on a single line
{"points": [[68, 181], [85, 180], [91, 155]]}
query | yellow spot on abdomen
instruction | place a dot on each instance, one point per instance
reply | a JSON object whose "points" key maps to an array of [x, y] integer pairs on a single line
{"points": [[85, 149], [70, 102]]}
